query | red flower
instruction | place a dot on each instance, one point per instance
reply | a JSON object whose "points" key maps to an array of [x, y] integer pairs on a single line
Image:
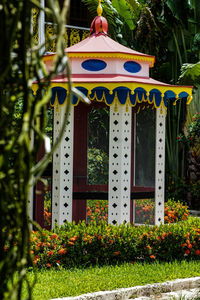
{"points": [[197, 252], [187, 252], [50, 253], [116, 253], [48, 265]]}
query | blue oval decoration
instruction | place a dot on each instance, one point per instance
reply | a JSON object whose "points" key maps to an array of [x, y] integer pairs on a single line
{"points": [[94, 65], [132, 67]]}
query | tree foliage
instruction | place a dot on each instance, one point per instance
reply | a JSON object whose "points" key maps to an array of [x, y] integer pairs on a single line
{"points": [[22, 114]]}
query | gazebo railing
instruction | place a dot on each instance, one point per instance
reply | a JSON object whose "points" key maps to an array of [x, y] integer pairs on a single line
{"points": [[73, 34]]}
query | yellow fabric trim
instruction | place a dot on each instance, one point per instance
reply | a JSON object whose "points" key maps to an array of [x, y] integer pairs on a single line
{"points": [[189, 99], [106, 55], [113, 55], [132, 86], [47, 58]]}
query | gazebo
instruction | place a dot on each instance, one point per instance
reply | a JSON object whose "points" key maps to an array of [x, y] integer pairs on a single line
{"points": [[115, 79]]}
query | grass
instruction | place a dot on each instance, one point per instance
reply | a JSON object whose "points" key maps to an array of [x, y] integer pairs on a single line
{"points": [[54, 283]]}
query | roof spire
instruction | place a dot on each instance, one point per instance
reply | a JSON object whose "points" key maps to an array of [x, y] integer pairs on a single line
{"points": [[99, 24], [99, 9]]}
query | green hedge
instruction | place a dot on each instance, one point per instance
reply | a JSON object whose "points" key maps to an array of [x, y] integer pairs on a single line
{"points": [[82, 245]]}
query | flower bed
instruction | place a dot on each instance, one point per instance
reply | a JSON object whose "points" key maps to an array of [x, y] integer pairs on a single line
{"points": [[84, 245]]}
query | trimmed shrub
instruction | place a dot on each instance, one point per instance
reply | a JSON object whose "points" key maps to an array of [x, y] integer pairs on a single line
{"points": [[83, 245]]}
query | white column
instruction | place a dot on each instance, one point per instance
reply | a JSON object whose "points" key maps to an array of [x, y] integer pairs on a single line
{"points": [[160, 167], [41, 25], [119, 164], [63, 169]]}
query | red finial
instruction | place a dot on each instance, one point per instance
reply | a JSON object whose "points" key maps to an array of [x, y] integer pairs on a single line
{"points": [[99, 24]]}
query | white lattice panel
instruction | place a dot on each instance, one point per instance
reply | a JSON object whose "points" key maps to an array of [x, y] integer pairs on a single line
{"points": [[63, 170], [119, 164], [160, 167]]}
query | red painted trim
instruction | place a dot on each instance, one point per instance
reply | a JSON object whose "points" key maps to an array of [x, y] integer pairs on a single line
{"points": [[79, 210], [135, 188], [39, 204], [80, 159], [97, 188]]}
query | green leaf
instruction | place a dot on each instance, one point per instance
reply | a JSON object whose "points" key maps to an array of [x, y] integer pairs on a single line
{"points": [[190, 74], [125, 11]]}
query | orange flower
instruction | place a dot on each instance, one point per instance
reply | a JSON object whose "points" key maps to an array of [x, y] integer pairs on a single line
{"points": [[152, 256], [74, 238], [54, 236], [184, 245], [85, 239], [99, 237], [48, 265], [58, 261], [71, 243], [116, 253], [50, 253], [190, 246], [111, 242], [197, 252], [36, 258], [62, 251], [39, 244], [148, 247]]}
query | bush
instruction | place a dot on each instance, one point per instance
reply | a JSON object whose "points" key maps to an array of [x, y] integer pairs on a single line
{"points": [[144, 209], [81, 245], [193, 132]]}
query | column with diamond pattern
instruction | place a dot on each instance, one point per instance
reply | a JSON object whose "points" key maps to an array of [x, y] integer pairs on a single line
{"points": [[63, 169], [160, 167], [119, 164]]}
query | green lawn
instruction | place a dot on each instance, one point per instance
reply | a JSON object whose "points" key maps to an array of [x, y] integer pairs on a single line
{"points": [[64, 283]]}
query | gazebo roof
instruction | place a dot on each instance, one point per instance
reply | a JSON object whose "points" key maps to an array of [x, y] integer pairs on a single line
{"points": [[109, 71], [102, 45]]}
